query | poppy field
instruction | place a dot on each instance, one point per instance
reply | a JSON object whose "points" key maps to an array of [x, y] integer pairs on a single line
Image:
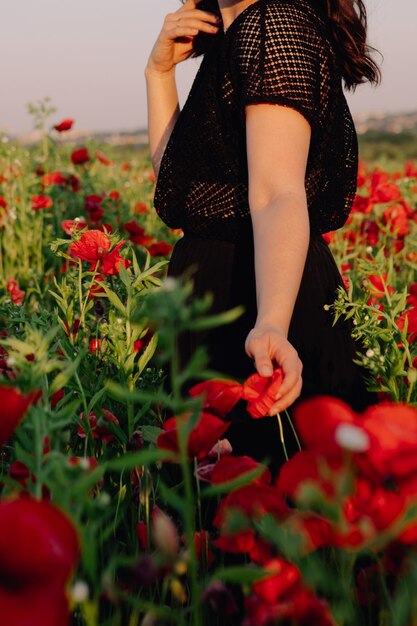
{"points": [[122, 504]]}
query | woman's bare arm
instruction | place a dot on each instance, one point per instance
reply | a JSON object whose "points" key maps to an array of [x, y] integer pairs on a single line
{"points": [[163, 111], [173, 45], [278, 141]]}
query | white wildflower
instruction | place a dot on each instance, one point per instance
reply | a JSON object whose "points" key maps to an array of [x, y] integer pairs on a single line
{"points": [[352, 438]]}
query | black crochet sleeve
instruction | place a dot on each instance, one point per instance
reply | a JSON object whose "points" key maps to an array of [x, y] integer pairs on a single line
{"points": [[281, 57]]}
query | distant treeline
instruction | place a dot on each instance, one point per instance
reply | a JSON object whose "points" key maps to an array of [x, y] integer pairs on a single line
{"points": [[379, 146]]}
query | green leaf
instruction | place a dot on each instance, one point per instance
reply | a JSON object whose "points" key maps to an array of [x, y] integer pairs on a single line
{"points": [[148, 353], [62, 379], [136, 266], [123, 394], [171, 497], [216, 320], [144, 457], [90, 480], [151, 433], [241, 574], [244, 479], [125, 276], [115, 300]]}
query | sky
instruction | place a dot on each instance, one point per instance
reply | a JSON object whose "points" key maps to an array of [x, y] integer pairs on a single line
{"points": [[89, 57]]}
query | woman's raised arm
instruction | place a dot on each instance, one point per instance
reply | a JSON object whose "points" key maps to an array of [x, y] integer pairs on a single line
{"points": [[173, 45]]}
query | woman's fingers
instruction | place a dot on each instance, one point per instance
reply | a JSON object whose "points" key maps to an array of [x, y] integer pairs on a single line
{"points": [[193, 24], [266, 346], [190, 22], [257, 348], [291, 385], [287, 400]]}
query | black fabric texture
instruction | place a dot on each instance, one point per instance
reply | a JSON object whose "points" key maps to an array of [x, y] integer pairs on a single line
{"points": [[278, 52]]}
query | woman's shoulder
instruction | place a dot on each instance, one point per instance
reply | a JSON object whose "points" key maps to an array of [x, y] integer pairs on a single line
{"points": [[265, 18]]}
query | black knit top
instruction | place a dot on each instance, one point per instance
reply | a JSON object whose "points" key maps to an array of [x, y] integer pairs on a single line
{"points": [[276, 51]]}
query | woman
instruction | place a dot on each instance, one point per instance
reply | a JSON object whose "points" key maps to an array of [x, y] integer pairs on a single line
{"points": [[254, 186]]}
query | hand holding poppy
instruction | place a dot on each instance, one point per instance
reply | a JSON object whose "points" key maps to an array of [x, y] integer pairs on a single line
{"points": [[266, 343]]}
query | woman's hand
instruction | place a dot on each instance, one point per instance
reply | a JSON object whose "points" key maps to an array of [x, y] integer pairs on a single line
{"points": [[266, 343], [175, 41]]}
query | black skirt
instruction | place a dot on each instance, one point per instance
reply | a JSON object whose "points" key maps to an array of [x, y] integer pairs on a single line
{"points": [[226, 269]]}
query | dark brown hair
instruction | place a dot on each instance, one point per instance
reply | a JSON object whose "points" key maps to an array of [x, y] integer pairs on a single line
{"points": [[349, 26]]}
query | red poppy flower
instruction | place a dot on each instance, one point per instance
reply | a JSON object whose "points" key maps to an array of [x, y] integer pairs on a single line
{"points": [[397, 218], [16, 294], [381, 506], [202, 547], [411, 318], [140, 208], [71, 226], [308, 467], [142, 535], [72, 332], [386, 192], [299, 606], [94, 247], [393, 453], [19, 472], [41, 202], [54, 178], [254, 501], [39, 550], [97, 290], [66, 124], [282, 579], [370, 232], [220, 395], [92, 202], [80, 156], [362, 204], [90, 246], [74, 182], [375, 285], [57, 397], [261, 391], [202, 438], [99, 425], [111, 262], [94, 346], [137, 233], [103, 159], [230, 467], [160, 248], [14, 406]]}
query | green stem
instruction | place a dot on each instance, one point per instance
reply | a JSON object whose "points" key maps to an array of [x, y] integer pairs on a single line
{"points": [[189, 519], [190, 527], [281, 436], [293, 430]]}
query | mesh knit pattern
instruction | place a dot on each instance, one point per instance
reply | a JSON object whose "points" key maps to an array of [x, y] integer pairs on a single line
{"points": [[278, 52]]}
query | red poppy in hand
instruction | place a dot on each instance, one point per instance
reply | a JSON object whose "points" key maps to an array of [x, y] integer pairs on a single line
{"points": [[261, 392]]}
